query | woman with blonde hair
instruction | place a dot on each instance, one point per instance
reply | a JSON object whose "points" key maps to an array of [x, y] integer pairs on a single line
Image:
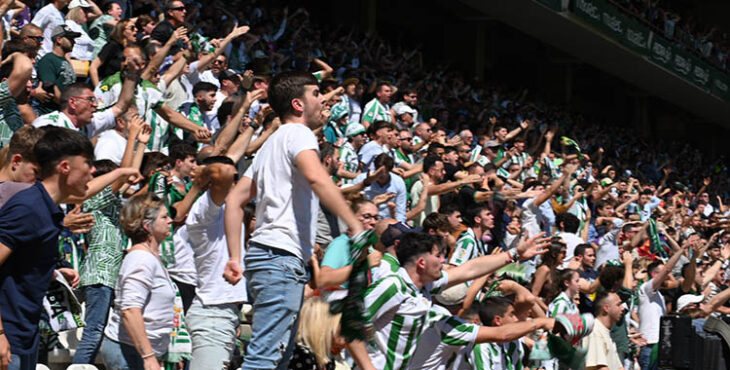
{"points": [[83, 45], [138, 332], [318, 337]]}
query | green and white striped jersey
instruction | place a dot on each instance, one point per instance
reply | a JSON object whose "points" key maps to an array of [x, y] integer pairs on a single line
{"points": [[10, 119], [498, 356], [389, 265], [519, 159], [445, 336], [348, 156], [562, 304], [376, 111], [398, 311], [467, 247]]}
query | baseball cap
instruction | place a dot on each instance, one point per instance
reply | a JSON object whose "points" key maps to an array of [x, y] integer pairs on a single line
{"points": [[688, 299], [79, 3], [394, 232], [491, 144], [354, 129], [228, 74], [64, 31], [402, 108]]}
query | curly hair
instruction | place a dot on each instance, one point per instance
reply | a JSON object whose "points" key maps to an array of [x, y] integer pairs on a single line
{"points": [[140, 210]]}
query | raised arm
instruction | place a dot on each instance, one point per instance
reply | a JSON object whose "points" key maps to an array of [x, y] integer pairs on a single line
{"points": [[206, 60]]}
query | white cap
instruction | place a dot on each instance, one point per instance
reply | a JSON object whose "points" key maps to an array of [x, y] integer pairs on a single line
{"points": [[687, 300], [79, 3], [402, 108]]}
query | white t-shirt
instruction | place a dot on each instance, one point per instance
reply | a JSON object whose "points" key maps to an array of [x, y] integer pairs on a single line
{"points": [[83, 45], [651, 308], [47, 19], [100, 122], [529, 217], [110, 146], [183, 270], [208, 239], [144, 283], [196, 76], [286, 212]]}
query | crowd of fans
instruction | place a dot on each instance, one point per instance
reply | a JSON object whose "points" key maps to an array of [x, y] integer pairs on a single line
{"points": [[168, 164], [676, 24]]}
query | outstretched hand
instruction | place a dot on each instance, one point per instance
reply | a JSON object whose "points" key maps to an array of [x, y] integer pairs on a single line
{"points": [[531, 247]]}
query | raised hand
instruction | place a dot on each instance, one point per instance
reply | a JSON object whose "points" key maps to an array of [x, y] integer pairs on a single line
{"points": [[531, 247]]}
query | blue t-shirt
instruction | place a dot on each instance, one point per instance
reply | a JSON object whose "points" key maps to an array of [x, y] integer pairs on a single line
{"points": [[30, 223], [337, 254]]}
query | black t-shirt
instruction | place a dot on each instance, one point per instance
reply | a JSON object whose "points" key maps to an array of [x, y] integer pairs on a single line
{"points": [[111, 56], [586, 303], [451, 170]]}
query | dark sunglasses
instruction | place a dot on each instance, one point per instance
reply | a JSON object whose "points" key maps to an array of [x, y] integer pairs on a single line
{"points": [[178, 8]]}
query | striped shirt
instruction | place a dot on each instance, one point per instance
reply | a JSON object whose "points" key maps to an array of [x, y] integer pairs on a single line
{"points": [[445, 336], [498, 356], [467, 247], [389, 264], [348, 157], [376, 111], [10, 119], [562, 304], [147, 96], [399, 312]]}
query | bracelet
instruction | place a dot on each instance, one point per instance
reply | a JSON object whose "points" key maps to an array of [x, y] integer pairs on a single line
{"points": [[148, 355], [512, 254], [2, 332]]}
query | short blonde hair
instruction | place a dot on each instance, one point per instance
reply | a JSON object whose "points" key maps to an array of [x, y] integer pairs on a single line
{"points": [[318, 328], [140, 210]]}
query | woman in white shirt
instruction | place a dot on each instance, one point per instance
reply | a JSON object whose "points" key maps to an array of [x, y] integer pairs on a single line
{"points": [[138, 332], [83, 45]]}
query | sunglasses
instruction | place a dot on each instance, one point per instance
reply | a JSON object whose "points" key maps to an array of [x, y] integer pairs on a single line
{"points": [[178, 8]]}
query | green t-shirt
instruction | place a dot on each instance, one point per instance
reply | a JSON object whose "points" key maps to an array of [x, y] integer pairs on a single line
{"points": [[52, 68]]}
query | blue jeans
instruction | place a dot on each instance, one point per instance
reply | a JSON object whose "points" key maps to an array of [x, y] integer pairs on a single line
{"points": [[645, 358], [119, 356], [98, 302], [22, 362], [213, 333], [276, 283]]}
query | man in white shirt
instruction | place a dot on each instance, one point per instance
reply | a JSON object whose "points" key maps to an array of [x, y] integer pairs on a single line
{"points": [[602, 354], [213, 316], [568, 225], [111, 143], [47, 18], [652, 305], [289, 181], [78, 109], [382, 131]]}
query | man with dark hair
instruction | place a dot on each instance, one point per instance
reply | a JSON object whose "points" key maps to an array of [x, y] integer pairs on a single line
{"points": [[54, 69], [568, 225], [380, 134], [602, 353], [433, 167], [479, 221], [174, 18], [47, 19], [199, 110], [408, 105], [652, 305], [378, 108], [386, 182], [648, 201], [289, 181], [399, 304], [586, 255], [30, 224]]}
